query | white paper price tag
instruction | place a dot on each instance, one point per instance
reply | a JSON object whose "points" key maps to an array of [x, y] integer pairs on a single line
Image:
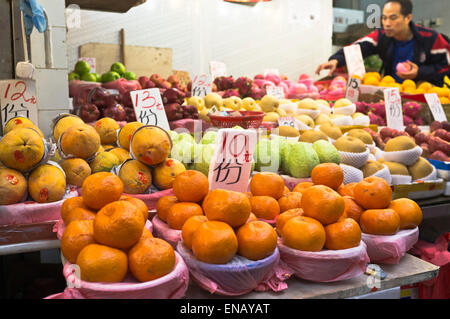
{"points": [[217, 69], [18, 98], [201, 85], [394, 109], [352, 92], [231, 164], [436, 107], [149, 108], [287, 121], [354, 60], [276, 91]]}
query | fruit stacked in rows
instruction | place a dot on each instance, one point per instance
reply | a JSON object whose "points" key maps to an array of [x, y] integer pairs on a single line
{"points": [[105, 234], [218, 224]]}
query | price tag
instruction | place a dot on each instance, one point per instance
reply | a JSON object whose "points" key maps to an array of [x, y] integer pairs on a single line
{"points": [[149, 108], [352, 92], [91, 61], [276, 91], [354, 60], [271, 71], [217, 69], [201, 85], [394, 110], [231, 164], [287, 121], [436, 107], [18, 98]]}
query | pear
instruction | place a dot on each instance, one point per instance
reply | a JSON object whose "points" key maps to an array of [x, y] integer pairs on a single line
{"points": [[233, 102], [213, 99], [269, 103], [249, 104], [197, 101]]}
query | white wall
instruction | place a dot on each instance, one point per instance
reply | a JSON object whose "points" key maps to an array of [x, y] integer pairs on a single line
{"points": [[52, 88], [291, 35]]}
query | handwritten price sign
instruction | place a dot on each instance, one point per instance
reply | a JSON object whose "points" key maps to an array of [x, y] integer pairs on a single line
{"points": [[276, 91], [217, 69], [231, 164], [201, 85], [18, 98], [354, 60], [287, 121], [436, 107], [149, 108], [352, 92], [394, 110]]}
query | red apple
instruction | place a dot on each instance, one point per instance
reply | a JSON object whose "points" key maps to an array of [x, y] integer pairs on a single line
{"points": [[117, 112], [130, 115], [172, 96], [143, 80], [435, 125], [440, 156], [89, 113]]}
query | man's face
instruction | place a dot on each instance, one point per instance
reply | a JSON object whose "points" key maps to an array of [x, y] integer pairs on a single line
{"points": [[394, 23]]}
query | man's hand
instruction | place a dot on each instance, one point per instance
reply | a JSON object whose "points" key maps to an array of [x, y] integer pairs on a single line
{"points": [[330, 65], [411, 74]]}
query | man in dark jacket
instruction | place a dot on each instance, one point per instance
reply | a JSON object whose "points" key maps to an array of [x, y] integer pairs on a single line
{"points": [[400, 40]]}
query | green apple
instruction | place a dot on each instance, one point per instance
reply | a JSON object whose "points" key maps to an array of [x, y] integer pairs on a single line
{"points": [[89, 77], [118, 67], [98, 77], [82, 67], [110, 76], [73, 76], [129, 75]]}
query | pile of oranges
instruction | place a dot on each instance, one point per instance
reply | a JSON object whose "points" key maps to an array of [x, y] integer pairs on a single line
{"points": [[218, 224], [333, 216], [106, 237]]}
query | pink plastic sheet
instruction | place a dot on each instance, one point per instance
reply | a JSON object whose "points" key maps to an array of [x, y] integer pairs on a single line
{"points": [[239, 276], [170, 286], [326, 265], [163, 231], [193, 125], [390, 249], [31, 212]]}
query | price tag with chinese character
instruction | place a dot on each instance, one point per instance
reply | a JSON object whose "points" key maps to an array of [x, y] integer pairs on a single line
{"points": [[352, 92], [149, 108], [394, 110], [354, 60], [276, 91], [217, 69], [287, 121], [201, 85], [231, 164], [436, 107], [18, 98]]}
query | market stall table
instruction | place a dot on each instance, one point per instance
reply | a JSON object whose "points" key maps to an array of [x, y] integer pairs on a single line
{"points": [[410, 270]]}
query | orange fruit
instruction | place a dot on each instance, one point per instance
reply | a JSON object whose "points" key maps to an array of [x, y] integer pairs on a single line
{"points": [[79, 213], [373, 193], [189, 227], [151, 258], [146, 234], [100, 189], [265, 207], [347, 190], [267, 184], [163, 205], [286, 190], [76, 236], [251, 218], [190, 186], [256, 240], [380, 222], [289, 201], [214, 242], [323, 203], [304, 233], [410, 213], [180, 212], [119, 224], [343, 234], [140, 205], [230, 207], [300, 187], [69, 204], [328, 174], [352, 209], [99, 263], [285, 216]]}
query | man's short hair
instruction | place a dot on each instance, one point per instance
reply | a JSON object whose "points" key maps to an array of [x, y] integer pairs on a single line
{"points": [[406, 6]]}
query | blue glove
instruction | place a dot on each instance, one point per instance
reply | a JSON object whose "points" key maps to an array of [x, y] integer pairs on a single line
{"points": [[33, 15]]}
